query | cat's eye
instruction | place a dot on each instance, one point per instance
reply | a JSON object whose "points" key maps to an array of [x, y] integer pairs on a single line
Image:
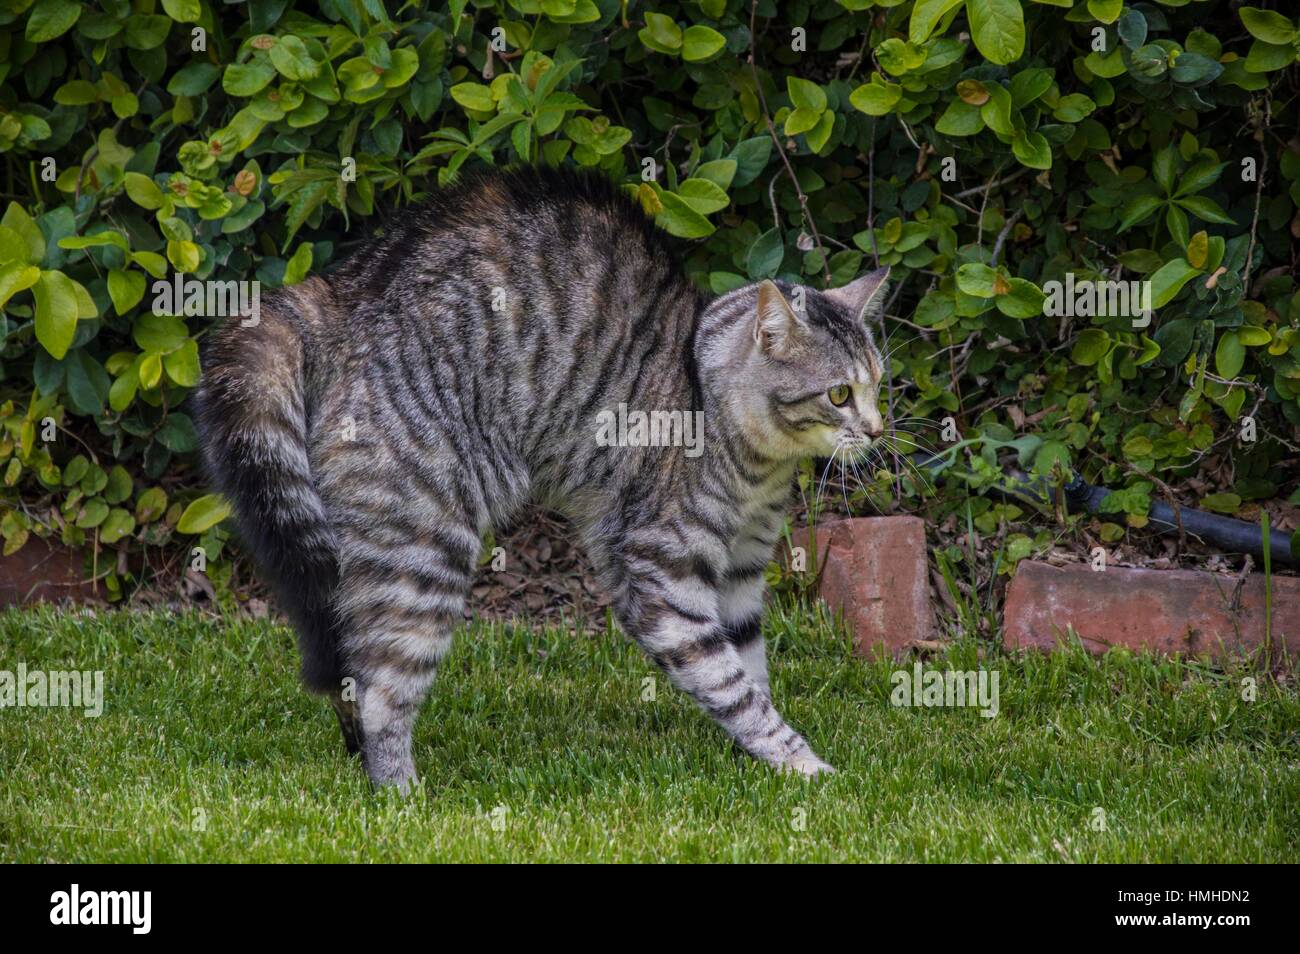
{"points": [[839, 394]]}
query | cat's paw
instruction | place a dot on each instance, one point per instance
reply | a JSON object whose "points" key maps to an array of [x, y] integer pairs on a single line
{"points": [[808, 765]]}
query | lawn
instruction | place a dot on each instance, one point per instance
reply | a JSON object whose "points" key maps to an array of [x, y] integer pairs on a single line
{"points": [[539, 745]]}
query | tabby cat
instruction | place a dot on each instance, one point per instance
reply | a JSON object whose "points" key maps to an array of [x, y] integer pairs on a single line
{"points": [[375, 421]]}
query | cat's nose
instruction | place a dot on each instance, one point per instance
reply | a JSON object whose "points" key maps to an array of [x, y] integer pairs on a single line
{"points": [[874, 429]]}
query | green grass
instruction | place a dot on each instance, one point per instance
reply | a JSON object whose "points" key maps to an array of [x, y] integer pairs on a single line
{"points": [[204, 720]]}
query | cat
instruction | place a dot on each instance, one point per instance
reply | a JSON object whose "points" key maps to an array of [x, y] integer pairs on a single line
{"points": [[373, 422]]}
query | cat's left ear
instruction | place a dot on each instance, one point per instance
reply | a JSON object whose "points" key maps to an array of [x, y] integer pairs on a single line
{"points": [[864, 297]]}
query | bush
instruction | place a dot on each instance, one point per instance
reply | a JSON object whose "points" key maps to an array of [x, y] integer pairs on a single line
{"points": [[984, 149]]}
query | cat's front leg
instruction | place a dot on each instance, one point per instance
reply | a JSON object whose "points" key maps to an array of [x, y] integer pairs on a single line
{"points": [[741, 614], [680, 628], [741, 591]]}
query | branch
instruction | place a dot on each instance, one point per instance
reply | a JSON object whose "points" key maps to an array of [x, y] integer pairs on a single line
{"points": [[780, 148]]}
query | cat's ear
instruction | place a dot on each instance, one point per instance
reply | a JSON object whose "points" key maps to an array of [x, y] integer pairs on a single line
{"points": [[776, 326], [864, 297]]}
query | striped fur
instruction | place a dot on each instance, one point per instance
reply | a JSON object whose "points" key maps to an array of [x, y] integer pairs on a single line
{"points": [[378, 420]]}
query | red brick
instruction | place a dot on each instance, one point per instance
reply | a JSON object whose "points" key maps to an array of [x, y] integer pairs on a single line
{"points": [[41, 572], [874, 570], [1166, 611]]}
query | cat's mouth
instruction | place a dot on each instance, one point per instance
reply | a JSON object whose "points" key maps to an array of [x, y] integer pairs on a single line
{"points": [[845, 444]]}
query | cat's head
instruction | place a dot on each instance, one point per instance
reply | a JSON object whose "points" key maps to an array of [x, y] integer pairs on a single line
{"points": [[796, 368]]}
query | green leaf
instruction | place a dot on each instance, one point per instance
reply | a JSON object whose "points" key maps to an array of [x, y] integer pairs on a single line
{"points": [[876, 98], [960, 119], [16, 277], [119, 484], [247, 79], [1032, 150], [123, 390], [106, 237], [56, 312], [899, 58], [805, 94], [92, 513], [159, 334], [1206, 210], [820, 134], [193, 79], [182, 365], [1090, 347], [1267, 25], [1029, 84], [752, 156], [184, 256], [126, 289], [203, 514], [926, 15], [183, 11], [1132, 29], [703, 196], [118, 524], [1222, 503], [147, 31], [1230, 355], [976, 279], [680, 219], [177, 434], [473, 96], [151, 505], [77, 93], [661, 34], [1024, 300], [720, 172], [290, 58], [1138, 209], [1266, 57], [87, 382], [1107, 11], [17, 219], [701, 42], [1169, 280], [996, 113], [1073, 108], [1150, 61], [765, 255], [1200, 176], [1163, 168], [1193, 69], [800, 121], [998, 29], [49, 19], [143, 191]]}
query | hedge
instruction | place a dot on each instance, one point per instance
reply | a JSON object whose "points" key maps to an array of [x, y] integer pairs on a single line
{"points": [[982, 148]]}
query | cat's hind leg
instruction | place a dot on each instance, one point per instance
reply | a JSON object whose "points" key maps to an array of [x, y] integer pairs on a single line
{"points": [[404, 577]]}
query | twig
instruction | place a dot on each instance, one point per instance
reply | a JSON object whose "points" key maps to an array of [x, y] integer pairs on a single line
{"points": [[90, 161], [1002, 236], [871, 193], [889, 385], [780, 148], [1254, 222], [988, 186]]}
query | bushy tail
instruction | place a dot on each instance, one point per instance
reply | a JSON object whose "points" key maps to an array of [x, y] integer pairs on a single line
{"points": [[252, 420]]}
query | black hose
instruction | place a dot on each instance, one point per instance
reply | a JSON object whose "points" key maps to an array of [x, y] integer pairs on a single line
{"points": [[1225, 533]]}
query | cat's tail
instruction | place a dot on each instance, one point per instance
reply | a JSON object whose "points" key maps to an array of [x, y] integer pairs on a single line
{"points": [[252, 420]]}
